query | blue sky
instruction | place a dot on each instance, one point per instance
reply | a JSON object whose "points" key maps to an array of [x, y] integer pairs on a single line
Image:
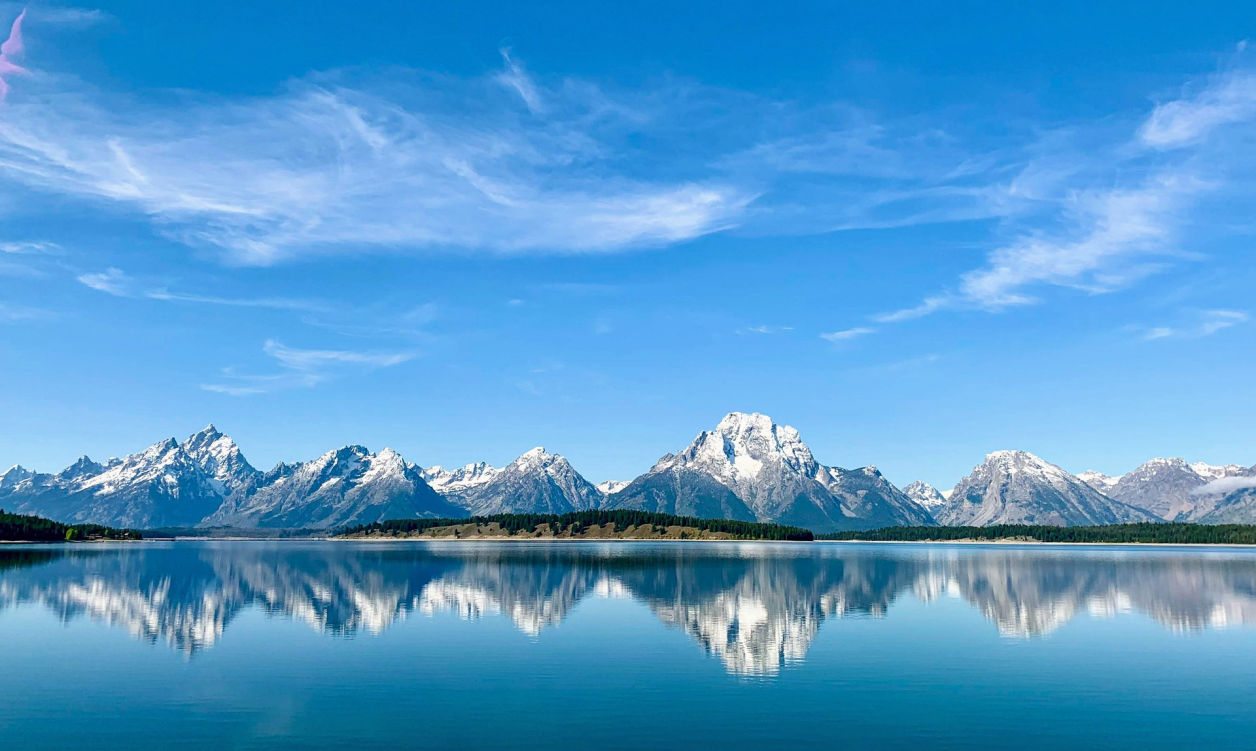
{"points": [[917, 233]]}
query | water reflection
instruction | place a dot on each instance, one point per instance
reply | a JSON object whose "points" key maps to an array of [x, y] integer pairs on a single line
{"points": [[754, 607]]}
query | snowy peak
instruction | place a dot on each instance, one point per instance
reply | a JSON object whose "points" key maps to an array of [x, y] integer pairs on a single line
{"points": [[1098, 480], [221, 459], [750, 467], [742, 447], [925, 494], [1212, 472], [1016, 487], [1169, 487], [610, 487], [82, 467], [462, 478], [535, 482], [536, 459], [15, 475]]}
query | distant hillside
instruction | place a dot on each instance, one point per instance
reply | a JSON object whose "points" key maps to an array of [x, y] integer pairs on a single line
{"points": [[624, 525], [1149, 532], [19, 528]]}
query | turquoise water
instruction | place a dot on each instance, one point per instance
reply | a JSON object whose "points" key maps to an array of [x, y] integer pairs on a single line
{"points": [[675, 645]]}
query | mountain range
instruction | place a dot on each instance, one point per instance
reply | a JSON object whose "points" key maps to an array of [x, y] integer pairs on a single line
{"points": [[748, 468]]}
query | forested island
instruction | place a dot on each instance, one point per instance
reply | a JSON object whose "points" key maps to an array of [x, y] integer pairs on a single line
{"points": [[20, 528], [1152, 532], [601, 525]]}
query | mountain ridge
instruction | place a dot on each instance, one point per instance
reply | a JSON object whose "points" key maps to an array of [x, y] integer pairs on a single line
{"points": [[748, 468]]}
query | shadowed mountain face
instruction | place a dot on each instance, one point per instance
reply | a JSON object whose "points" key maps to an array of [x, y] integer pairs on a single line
{"points": [[757, 608]]}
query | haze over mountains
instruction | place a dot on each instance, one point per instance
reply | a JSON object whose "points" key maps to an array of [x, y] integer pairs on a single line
{"points": [[748, 468]]}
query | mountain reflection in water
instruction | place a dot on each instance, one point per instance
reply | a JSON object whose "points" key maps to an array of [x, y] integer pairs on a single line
{"points": [[757, 607]]}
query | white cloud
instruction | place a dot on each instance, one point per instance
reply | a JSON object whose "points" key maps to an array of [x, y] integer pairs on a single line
{"points": [[115, 281], [1119, 226], [334, 164], [111, 281], [847, 334], [276, 303], [1114, 215], [1207, 323], [314, 359], [1225, 485], [1218, 320], [301, 368], [1230, 97], [517, 79], [29, 248], [765, 330], [17, 313]]}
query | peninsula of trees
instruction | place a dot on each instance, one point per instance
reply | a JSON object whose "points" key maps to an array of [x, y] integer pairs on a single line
{"points": [[608, 525], [19, 528]]}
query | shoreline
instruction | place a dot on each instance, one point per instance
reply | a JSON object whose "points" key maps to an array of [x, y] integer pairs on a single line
{"points": [[531, 540]]}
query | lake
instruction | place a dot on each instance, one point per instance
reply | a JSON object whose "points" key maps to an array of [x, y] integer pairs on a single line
{"points": [[625, 645]]}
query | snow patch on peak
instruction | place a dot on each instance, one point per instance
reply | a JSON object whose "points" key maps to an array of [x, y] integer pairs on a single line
{"points": [[467, 476], [610, 487], [535, 458], [1217, 471], [924, 494], [1098, 480]]}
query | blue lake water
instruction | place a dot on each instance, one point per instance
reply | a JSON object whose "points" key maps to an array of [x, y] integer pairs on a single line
{"points": [[625, 645]]}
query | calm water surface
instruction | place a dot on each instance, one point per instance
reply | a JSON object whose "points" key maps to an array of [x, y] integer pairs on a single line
{"points": [[477, 645]]}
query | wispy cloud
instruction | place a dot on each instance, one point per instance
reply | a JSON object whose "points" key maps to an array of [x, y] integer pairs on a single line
{"points": [[1225, 485], [1115, 220], [10, 313], [301, 368], [765, 330], [1206, 323], [29, 248], [517, 79], [344, 161], [115, 281], [847, 334], [1227, 98], [111, 281], [12, 49], [317, 359]]}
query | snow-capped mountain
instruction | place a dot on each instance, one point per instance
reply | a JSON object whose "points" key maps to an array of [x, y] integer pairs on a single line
{"points": [[1161, 486], [446, 481], [167, 484], [221, 459], [1098, 480], [1210, 472], [752, 469], [925, 495], [349, 485], [608, 487], [1016, 487], [538, 482], [747, 468], [1167, 488]]}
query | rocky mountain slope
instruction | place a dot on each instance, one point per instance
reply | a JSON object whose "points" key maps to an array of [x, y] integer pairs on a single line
{"points": [[347, 486], [536, 482], [1016, 487], [1169, 488]]}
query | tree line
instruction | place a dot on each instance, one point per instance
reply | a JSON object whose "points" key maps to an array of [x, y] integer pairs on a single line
{"points": [[39, 529], [1149, 532], [579, 521]]}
